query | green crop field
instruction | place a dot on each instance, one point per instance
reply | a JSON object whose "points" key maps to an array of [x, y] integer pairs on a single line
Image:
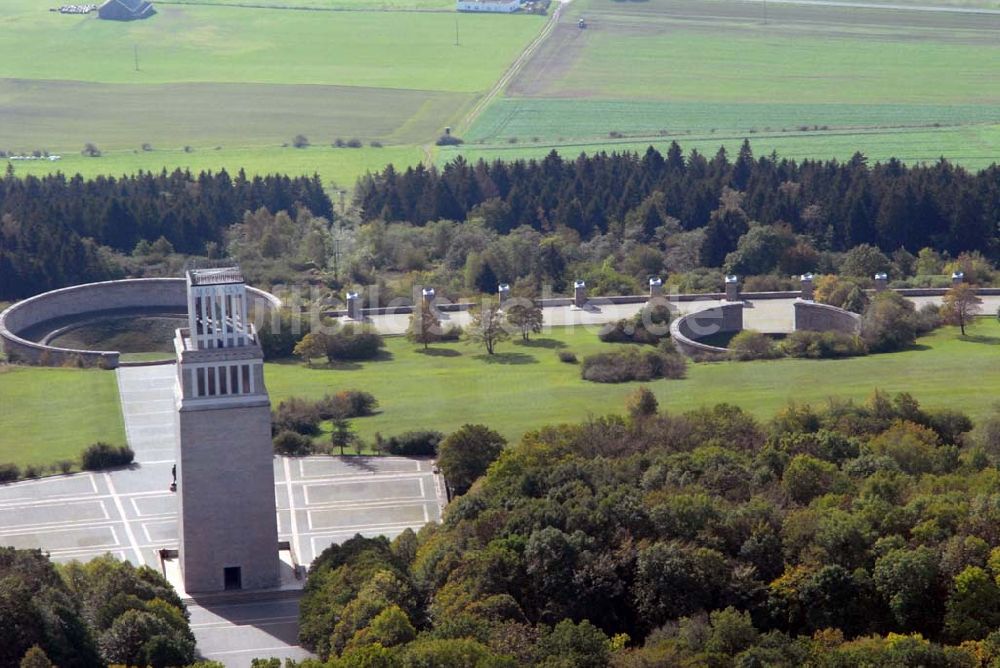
{"points": [[568, 119], [215, 44], [235, 83], [809, 81], [51, 414], [974, 146], [526, 386]]}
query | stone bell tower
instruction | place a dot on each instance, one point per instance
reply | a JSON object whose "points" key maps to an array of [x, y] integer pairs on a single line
{"points": [[225, 476]]}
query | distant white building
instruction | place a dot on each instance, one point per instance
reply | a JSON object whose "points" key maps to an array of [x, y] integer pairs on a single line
{"points": [[500, 6]]}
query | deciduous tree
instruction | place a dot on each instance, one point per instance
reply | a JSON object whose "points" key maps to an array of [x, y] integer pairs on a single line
{"points": [[526, 315], [961, 305], [487, 326], [466, 454]]}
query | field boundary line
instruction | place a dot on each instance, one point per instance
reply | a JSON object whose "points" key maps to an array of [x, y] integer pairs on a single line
{"points": [[890, 6], [301, 8]]}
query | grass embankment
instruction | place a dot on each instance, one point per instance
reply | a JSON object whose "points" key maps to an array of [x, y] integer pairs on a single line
{"points": [[47, 415], [526, 386]]}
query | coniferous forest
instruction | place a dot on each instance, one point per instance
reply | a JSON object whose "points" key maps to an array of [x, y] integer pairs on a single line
{"points": [[56, 231], [839, 204]]}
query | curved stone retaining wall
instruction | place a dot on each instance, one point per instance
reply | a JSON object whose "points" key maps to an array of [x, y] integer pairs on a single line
{"points": [[146, 294], [686, 330], [816, 317]]}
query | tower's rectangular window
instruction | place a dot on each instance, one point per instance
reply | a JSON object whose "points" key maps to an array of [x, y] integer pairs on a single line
{"points": [[223, 381], [201, 382], [234, 382], [245, 370], [211, 381]]}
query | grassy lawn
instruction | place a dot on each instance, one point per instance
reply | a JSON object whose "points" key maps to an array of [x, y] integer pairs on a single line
{"points": [[52, 414], [526, 387]]}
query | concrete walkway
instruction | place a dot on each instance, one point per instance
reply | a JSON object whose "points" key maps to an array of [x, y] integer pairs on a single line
{"points": [[147, 397]]}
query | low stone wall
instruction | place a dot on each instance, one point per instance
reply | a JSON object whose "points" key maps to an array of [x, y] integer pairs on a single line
{"points": [[687, 330], [146, 294], [816, 317]]}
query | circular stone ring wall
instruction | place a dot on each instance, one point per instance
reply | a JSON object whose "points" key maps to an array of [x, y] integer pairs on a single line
{"points": [[166, 295], [809, 315]]}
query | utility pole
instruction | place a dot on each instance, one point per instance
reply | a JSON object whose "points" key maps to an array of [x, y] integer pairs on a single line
{"points": [[135, 53], [765, 12], [457, 41]]}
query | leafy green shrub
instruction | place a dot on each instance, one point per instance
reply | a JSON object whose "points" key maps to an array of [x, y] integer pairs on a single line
{"points": [[649, 325], [567, 356], [628, 364], [928, 319], [752, 345], [298, 415], [9, 473], [64, 466], [353, 343], [412, 443], [822, 345], [279, 333], [346, 404], [292, 444], [104, 455], [32, 471], [889, 323], [449, 140]]}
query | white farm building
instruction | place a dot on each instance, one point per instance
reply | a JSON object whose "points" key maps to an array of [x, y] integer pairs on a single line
{"points": [[501, 6]]}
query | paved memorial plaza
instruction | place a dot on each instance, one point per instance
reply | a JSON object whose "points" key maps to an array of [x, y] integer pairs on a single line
{"points": [[131, 514]]}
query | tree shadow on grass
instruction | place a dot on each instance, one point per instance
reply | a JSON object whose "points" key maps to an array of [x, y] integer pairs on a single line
{"points": [[912, 347], [439, 352], [551, 344], [351, 365], [979, 338], [507, 358], [339, 365]]}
